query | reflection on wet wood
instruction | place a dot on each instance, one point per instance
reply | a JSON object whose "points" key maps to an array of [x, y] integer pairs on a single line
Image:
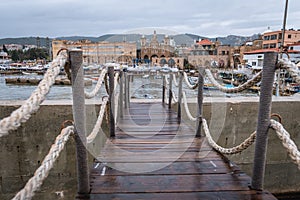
{"points": [[154, 157]]}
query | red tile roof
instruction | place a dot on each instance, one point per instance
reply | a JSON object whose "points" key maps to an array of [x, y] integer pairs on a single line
{"points": [[205, 42]]}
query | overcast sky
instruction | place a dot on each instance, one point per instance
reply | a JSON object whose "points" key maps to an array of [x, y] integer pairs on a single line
{"points": [[211, 18]]}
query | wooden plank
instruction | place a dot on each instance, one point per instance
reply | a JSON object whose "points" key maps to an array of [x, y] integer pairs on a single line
{"points": [[214, 195], [170, 183], [183, 168], [173, 164]]}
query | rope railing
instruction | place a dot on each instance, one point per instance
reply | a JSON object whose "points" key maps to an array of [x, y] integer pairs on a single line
{"points": [[240, 88], [186, 80], [33, 103], [166, 78], [175, 81], [234, 150], [98, 124], [186, 108], [93, 93], [287, 142], [42, 172], [291, 67]]}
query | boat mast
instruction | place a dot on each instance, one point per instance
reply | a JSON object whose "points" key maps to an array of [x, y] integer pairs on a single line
{"points": [[282, 45]]}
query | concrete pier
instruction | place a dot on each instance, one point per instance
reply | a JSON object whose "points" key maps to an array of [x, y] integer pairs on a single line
{"points": [[231, 120]]}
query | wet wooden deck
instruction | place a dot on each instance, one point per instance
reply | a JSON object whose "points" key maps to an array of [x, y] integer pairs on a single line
{"points": [[154, 157]]}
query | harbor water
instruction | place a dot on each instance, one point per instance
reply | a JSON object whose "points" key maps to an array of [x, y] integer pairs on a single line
{"points": [[140, 88]]}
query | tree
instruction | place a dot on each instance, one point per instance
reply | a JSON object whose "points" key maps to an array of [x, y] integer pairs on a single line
{"points": [[5, 49]]}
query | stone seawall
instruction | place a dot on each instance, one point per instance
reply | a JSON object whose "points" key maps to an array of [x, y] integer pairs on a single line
{"points": [[230, 119], [23, 150]]}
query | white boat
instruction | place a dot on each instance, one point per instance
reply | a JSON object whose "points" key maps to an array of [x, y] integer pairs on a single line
{"points": [[29, 73]]}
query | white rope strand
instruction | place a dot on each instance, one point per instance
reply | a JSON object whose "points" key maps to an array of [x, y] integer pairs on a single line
{"points": [[187, 110], [240, 88], [175, 99], [175, 81], [191, 86], [42, 172], [290, 67], [167, 81], [287, 142], [98, 124], [92, 94], [33, 103], [234, 150]]}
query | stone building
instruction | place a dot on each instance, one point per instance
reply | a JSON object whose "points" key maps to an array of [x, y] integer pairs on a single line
{"points": [[99, 52], [155, 49], [210, 54], [178, 62], [272, 39]]}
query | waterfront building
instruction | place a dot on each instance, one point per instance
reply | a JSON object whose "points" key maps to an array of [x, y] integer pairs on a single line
{"points": [[178, 62], [99, 52], [156, 49], [208, 53], [272, 39]]}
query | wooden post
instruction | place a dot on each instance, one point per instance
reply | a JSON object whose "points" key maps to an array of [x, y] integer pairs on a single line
{"points": [[200, 101], [77, 79], [121, 97], [111, 101], [265, 103], [126, 90], [179, 96], [170, 90], [163, 89]]}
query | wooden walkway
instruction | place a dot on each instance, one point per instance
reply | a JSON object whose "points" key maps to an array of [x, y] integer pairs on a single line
{"points": [[154, 157]]}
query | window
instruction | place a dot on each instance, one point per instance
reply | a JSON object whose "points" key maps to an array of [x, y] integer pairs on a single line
{"points": [[273, 37], [273, 45], [267, 37], [266, 46], [253, 63], [289, 36]]}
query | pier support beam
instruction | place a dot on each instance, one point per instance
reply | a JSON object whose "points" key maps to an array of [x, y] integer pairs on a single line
{"points": [[121, 98], [170, 90], [265, 103], [163, 89], [179, 96], [77, 79], [111, 101], [200, 101]]}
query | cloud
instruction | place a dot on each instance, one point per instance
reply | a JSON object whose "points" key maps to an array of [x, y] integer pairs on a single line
{"points": [[56, 18]]}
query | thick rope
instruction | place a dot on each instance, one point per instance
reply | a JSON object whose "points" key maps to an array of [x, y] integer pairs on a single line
{"points": [[240, 88], [42, 172], [116, 80], [167, 81], [175, 99], [186, 80], [33, 103], [93, 93], [98, 124], [186, 107], [290, 67], [234, 150], [287, 142], [175, 81]]}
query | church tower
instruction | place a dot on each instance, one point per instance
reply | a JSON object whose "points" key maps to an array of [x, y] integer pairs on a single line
{"points": [[143, 41]]}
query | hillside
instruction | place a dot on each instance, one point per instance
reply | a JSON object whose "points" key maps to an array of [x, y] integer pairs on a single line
{"points": [[180, 39]]}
